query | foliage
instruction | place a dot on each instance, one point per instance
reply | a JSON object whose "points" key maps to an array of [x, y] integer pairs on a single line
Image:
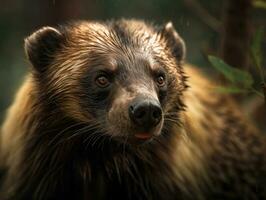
{"points": [[236, 76], [256, 52], [240, 81], [259, 4]]}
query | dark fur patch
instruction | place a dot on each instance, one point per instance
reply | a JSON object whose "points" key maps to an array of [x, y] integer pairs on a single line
{"points": [[174, 42], [41, 47], [120, 30]]}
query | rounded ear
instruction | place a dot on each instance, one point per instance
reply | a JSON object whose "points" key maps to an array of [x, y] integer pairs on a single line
{"points": [[173, 41], [41, 46]]}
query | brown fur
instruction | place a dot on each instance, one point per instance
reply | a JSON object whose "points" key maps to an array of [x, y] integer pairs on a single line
{"points": [[208, 151]]}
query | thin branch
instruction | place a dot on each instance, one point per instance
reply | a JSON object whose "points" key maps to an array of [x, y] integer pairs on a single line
{"points": [[203, 13], [257, 92]]}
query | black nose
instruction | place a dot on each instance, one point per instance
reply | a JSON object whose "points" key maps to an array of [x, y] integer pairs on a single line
{"points": [[145, 113]]}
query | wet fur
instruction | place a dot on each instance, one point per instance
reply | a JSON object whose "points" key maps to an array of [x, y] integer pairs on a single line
{"points": [[51, 148]]}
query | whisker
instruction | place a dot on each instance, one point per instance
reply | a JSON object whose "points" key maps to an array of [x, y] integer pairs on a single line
{"points": [[62, 132], [78, 132]]}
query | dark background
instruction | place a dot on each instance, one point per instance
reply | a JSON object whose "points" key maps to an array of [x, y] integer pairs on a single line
{"points": [[202, 24]]}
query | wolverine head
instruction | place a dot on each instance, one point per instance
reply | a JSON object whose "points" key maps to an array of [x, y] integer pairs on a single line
{"points": [[123, 77]]}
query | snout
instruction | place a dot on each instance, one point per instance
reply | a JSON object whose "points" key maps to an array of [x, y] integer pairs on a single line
{"points": [[145, 114]]}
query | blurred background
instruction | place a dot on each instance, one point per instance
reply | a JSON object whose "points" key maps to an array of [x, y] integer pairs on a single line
{"points": [[222, 28]]}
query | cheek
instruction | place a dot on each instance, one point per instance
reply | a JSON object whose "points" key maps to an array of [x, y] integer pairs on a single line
{"points": [[162, 95], [169, 98], [95, 102], [71, 105], [68, 99], [173, 103]]}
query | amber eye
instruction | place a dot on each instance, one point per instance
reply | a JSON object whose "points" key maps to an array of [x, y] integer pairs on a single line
{"points": [[102, 81], [160, 81]]}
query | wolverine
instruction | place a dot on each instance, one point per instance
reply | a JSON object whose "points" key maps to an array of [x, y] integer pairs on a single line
{"points": [[111, 110]]}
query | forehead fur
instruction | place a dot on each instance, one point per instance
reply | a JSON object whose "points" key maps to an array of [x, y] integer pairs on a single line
{"points": [[113, 33], [126, 41], [125, 38], [89, 44]]}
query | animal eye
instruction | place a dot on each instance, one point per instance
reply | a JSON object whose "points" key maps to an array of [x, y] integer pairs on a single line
{"points": [[102, 81], [160, 81]]}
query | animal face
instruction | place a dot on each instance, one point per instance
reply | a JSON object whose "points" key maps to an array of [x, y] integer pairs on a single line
{"points": [[124, 76]]}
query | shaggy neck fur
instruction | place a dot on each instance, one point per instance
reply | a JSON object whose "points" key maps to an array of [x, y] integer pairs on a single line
{"points": [[56, 154]]}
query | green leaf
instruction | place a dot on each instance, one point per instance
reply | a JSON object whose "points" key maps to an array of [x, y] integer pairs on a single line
{"points": [[256, 45], [230, 90], [259, 4], [256, 51], [234, 75]]}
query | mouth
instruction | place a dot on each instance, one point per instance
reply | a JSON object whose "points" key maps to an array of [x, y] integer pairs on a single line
{"points": [[140, 137], [143, 136], [146, 134]]}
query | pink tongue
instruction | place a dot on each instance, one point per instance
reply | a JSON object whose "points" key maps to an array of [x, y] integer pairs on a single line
{"points": [[143, 135]]}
